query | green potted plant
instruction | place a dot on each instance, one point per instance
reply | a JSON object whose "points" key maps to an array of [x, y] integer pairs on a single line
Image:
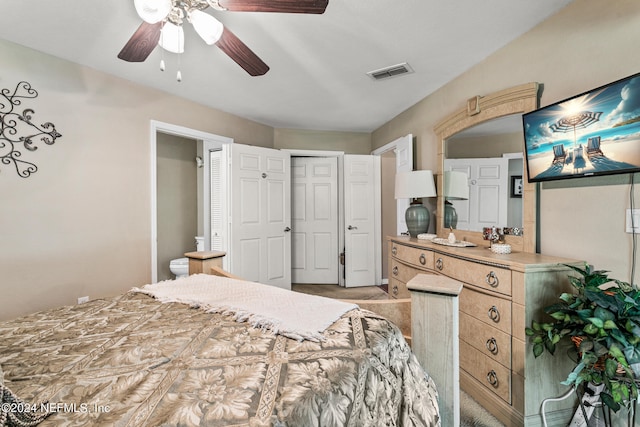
{"points": [[602, 319]]}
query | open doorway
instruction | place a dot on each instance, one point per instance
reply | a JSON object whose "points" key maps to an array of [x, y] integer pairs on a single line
{"points": [[389, 213], [396, 156], [177, 199], [203, 141]]}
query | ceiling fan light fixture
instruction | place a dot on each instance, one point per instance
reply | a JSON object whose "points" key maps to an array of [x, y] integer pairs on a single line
{"points": [[172, 38], [207, 27], [163, 22], [153, 11]]}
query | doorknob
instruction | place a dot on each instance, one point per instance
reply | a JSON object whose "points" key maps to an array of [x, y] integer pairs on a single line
{"points": [[351, 227], [286, 230]]}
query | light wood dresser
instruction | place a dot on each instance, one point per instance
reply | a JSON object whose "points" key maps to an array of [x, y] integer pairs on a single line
{"points": [[501, 295]]}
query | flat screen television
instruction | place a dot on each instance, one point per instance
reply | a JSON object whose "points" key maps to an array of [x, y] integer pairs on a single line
{"points": [[594, 133]]}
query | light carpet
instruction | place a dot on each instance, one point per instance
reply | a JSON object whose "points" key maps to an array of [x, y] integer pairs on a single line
{"points": [[474, 415]]}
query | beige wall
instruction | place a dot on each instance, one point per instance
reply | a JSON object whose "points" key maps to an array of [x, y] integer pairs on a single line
{"points": [[81, 224], [586, 45], [349, 142]]}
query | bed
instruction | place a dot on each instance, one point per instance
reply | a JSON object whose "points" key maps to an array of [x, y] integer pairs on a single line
{"points": [[145, 359]]}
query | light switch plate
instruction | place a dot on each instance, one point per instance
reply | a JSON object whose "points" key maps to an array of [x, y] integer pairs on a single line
{"points": [[636, 221]]}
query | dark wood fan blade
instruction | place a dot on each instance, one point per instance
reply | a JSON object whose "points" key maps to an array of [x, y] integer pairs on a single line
{"points": [[141, 43], [241, 54], [284, 6]]}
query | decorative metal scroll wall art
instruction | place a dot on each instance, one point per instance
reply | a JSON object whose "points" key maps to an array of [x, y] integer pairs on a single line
{"points": [[17, 131]]}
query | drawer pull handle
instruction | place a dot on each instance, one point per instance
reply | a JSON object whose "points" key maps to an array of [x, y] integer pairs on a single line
{"points": [[492, 378], [395, 270], [492, 279], [395, 290], [423, 259], [394, 251], [439, 264], [494, 314], [492, 346]]}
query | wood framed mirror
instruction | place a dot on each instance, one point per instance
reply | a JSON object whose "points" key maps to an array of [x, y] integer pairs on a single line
{"points": [[481, 109]]}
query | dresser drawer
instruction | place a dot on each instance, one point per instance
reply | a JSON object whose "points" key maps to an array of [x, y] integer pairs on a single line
{"points": [[398, 289], [489, 309], [490, 341], [489, 277], [402, 272], [415, 256], [491, 374]]}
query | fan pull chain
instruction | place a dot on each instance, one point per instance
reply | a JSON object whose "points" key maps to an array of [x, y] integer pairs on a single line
{"points": [[179, 73], [162, 65]]}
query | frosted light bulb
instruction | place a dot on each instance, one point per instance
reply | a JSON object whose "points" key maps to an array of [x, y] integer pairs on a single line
{"points": [[207, 27], [172, 38], [179, 76], [152, 11]]}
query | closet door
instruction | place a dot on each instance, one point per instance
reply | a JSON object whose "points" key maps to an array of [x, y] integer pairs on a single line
{"points": [[314, 197], [360, 220], [260, 215], [218, 200]]}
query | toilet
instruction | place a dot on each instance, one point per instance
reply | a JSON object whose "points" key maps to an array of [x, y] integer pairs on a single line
{"points": [[199, 243], [179, 267]]}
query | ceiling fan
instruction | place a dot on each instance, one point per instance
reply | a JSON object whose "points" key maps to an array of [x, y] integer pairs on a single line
{"points": [[163, 19]]}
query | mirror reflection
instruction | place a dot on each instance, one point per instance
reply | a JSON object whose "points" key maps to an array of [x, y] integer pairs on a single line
{"points": [[490, 156]]}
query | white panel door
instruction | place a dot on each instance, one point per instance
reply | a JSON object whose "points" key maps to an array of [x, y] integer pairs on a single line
{"points": [[488, 192], [404, 163], [314, 201], [260, 215], [218, 198], [359, 212]]}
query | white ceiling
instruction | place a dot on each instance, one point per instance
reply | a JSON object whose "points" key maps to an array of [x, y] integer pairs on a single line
{"points": [[318, 63]]}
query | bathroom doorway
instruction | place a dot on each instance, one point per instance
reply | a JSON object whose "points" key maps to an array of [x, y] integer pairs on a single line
{"points": [[169, 240], [177, 199]]}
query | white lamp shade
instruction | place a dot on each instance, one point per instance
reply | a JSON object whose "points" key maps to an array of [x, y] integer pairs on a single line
{"points": [[456, 185], [172, 38], [207, 27], [153, 11], [415, 184]]}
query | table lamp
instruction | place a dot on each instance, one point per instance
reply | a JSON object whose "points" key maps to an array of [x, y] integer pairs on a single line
{"points": [[414, 185], [456, 187]]}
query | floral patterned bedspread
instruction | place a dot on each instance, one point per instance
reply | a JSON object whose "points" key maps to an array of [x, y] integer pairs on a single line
{"points": [[132, 361]]}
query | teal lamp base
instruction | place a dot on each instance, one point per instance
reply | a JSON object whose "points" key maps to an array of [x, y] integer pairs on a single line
{"points": [[417, 218], [450, 216]]}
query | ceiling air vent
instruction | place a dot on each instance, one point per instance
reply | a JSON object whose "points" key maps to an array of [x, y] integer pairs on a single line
{"points": [[392, 71]]}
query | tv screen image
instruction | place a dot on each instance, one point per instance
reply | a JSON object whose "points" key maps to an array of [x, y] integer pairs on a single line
{"points": [[594, 133]]}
